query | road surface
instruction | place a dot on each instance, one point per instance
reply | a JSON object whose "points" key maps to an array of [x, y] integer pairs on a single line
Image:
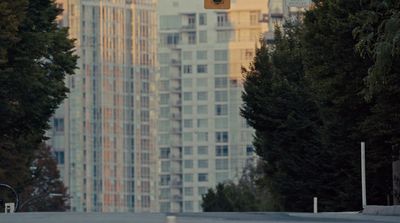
{"points": [[69, 217]]}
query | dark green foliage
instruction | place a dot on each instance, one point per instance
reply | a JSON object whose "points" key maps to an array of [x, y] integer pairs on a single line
{"points": [[244, 196], [317, 94], [336, 73], [279, 106], [378, 33], [35, 56]]}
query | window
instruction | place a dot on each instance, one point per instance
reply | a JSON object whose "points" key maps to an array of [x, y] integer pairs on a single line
{"points": [[221, 96], [192, 38], [202, 150], [187, 55], [202, 109], [164, 99], [202, 177], [188, 206], [221, 137], [221, 150], [202, 123], [221, 110], [202, 164], [249, 150], [187, 123], [164, 153], [165, 207], [188, 177], [202, 190], [224, 36], [187, 96], [202, 55], [164, 85], [187, 150], [164, 112], [201, 68], [248, 54], [220, 69], [202, 136], [59, 124], [187, 109], [202, 96], [163, 58], [187, 137], [221, 177], [188, 164], [191, 20], [165, 166], [164, 125], [169, 39], [164, 180], [187, 83], [221, 82], [59, 156], [202, 19], [187, 69], [188, 191], [221, 164], [203, 36], [165, 193], [222, 19], [254, 18], [221, 55], [201, 82]]}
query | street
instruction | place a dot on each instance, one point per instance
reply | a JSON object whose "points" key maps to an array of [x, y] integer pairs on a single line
{"points": [[272, 217]]}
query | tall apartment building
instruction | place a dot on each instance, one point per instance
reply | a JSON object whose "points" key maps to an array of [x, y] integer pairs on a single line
{"points": [[202, 138], [103, 135]]}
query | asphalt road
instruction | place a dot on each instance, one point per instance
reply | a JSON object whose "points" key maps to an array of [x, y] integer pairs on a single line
{"points": [[195, 218]]}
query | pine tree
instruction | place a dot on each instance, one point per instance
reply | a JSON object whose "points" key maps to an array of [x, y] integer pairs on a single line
{"points": [[377, 33], [279, 106], [35, 56]]}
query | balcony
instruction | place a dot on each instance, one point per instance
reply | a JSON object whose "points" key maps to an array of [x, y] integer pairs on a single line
{"points": [[177, 197], [224, 25], [176, 183], [188, 27], [175, 62]]}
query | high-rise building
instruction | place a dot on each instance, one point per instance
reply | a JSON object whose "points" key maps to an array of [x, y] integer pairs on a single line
{"points": [[103, 135], [203, 140]]}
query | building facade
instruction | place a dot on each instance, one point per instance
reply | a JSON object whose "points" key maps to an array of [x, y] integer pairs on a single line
{"points": [[103, 134], [202, 139]]}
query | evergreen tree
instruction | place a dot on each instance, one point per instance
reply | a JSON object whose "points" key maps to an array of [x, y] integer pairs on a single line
{"points": [[286, 119], [377, 33], [246, 195], [336, 74], [35, 56]]}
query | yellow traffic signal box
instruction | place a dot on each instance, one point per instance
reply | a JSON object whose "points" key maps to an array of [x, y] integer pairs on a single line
{"points": [[217, 4]]}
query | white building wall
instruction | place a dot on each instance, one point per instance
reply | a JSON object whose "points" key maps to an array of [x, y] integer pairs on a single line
{"points": [[110, 114], [202, 138]]}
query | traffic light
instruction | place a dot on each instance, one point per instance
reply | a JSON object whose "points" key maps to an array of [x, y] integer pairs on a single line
{"points": [[217, 4]]}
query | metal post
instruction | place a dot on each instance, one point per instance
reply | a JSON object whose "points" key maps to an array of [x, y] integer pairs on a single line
{"points": [[363, 182], [315, 205]]}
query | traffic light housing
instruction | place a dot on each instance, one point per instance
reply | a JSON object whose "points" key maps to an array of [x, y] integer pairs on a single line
{"points": [[217, 4]]}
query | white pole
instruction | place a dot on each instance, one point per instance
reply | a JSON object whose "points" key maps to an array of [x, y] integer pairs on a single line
{"points": [[315, 205], [363, 182]]}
